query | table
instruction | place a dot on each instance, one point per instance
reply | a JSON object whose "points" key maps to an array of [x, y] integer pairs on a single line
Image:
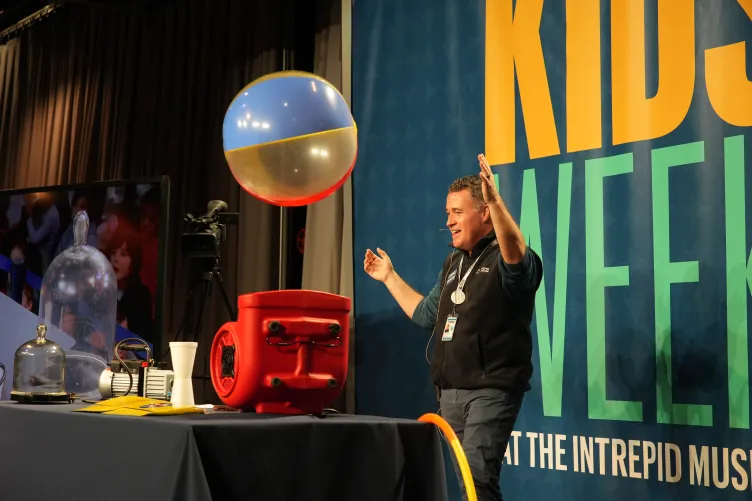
{"points": [[50, 452]]}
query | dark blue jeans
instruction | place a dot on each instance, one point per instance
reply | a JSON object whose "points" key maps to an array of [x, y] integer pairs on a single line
{"points": [[483, 421]]}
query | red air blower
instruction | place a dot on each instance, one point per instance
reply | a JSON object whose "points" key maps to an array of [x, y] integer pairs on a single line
{"points": [[286, 354]]}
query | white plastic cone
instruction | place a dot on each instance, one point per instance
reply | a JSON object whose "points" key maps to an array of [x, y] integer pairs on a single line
{"points": [[183, 356]]}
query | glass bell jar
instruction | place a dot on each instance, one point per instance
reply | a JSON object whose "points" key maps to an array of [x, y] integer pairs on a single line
{"points": [[39, 371], [79, 297]]}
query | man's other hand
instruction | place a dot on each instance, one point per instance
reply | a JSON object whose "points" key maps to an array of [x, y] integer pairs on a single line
{"points": [[379, 268], [490, 193]]}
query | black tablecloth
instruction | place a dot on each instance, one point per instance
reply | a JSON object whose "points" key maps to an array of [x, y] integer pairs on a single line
{"points": [[51, 453]]}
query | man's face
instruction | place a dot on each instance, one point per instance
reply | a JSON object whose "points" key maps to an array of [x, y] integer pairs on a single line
{"points": [[464, 220]]}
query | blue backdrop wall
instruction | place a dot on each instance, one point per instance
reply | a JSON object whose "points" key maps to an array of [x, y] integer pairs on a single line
{"points": [[618, 131]]}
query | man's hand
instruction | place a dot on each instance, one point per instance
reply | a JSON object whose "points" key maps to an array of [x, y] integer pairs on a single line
{"points": [[379, 268], [490, 193], [508, 234]]}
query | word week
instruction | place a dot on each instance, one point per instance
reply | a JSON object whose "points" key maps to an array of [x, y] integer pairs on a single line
{"points": [[600, 276]]}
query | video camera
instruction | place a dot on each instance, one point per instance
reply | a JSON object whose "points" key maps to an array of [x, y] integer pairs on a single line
{"points": [[207, 232]]}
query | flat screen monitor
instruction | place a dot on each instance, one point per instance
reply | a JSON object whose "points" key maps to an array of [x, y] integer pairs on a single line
{"points": [[128, 224]]}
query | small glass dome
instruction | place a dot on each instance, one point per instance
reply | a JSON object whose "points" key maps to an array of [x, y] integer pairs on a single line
{"points": [[79, 296], [39, 371]]}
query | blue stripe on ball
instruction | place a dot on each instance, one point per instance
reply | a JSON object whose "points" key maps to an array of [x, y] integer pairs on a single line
{"points": [[283, 107]]}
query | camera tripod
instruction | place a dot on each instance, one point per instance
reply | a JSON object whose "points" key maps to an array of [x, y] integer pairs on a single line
{"points": [[202, 290]]}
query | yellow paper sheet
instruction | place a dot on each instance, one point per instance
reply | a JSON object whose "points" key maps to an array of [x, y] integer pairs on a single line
{"points": [[138, 406]]}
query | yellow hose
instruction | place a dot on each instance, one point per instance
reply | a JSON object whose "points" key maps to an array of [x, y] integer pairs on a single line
{"points": [[454, 442]]}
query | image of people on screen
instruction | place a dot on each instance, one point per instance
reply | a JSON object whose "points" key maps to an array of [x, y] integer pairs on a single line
{"points": [[79, 202], [123, 225], [135, 305]]}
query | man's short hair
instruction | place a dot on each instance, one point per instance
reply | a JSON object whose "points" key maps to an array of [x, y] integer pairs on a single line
{"points": [[472, 183]]}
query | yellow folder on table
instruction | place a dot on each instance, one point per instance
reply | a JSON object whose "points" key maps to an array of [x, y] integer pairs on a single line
{"points": [[138, 406]]}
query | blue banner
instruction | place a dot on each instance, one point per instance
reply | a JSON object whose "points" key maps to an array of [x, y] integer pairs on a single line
{"points": [[618, 134]]}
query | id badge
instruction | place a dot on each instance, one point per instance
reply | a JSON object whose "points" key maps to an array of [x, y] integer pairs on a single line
{"points": [[449, 328]]}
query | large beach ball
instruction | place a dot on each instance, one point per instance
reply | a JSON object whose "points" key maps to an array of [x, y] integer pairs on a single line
{"points": [[290, 139]]}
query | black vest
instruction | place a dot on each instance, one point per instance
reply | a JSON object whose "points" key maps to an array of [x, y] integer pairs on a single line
{"points": [[492, 344]]}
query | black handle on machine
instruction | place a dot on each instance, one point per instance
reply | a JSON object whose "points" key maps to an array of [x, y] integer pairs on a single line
{"points": [[305, 335]]}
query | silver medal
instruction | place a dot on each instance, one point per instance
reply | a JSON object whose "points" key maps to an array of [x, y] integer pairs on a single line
{"points": [[458, 297]]}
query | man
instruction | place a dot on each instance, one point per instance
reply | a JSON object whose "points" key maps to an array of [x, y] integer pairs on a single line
{"points": [[480, 310]]}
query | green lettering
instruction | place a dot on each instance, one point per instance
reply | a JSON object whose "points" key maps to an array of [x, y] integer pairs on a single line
{"points": [[738, 276], [598, 277], [550, 351], [667, 273]]}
